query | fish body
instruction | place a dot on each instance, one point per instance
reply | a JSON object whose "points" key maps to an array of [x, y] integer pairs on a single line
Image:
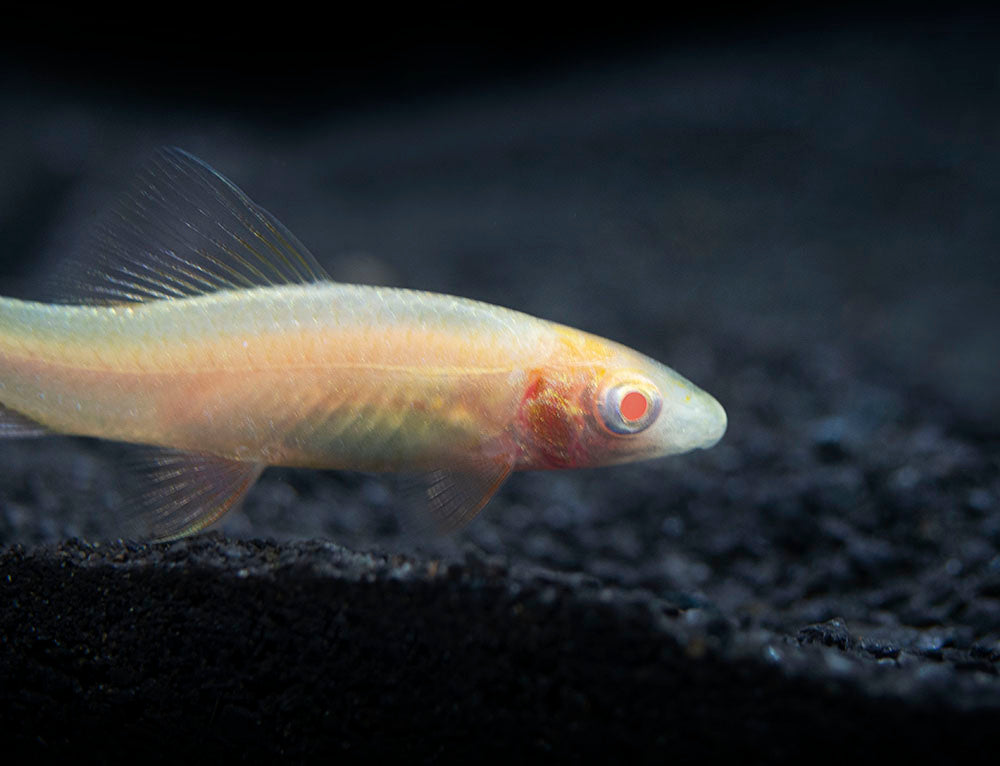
{"points": [[230, 367]]}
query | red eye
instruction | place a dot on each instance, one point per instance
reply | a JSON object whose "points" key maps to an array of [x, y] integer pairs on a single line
{"points": [[628, 407], [633, 405]]}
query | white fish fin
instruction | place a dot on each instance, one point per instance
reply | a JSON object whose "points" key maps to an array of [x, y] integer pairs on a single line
{"points": [[184, 492], [456, 495], [183, 229], [14, 425]]}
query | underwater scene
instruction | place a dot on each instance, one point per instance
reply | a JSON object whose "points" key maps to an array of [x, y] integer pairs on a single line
{"points": [[631, 394]]}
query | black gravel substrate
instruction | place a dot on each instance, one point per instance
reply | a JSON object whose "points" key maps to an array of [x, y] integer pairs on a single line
{"points": [[309, 650]]}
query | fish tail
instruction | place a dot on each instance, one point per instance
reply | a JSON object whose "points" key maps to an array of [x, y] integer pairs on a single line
{"points": [[15, 327], [13, 425], [9, 320]]}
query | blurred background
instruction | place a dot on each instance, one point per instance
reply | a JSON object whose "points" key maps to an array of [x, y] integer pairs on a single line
{"points": [[797, 210], [796, 178]]}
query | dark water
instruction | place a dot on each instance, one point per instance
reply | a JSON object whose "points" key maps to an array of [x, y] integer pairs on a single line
{"points": [[810, 186]]}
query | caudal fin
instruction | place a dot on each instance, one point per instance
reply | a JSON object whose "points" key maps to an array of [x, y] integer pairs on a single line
{"points": [[14, 425]]}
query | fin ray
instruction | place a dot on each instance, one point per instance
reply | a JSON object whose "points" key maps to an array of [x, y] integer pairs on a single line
{"points": [[14, 425], [184, 492], [184, 229], [455, 496]]}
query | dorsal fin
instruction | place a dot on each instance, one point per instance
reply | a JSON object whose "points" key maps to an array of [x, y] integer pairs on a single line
{"points": [[184, 229]]}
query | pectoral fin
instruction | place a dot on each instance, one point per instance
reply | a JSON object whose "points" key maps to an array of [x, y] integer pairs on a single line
{"points": [[456, 495], [183, 492]]}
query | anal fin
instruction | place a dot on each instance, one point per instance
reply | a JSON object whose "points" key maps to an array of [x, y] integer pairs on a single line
{"points": [[14, 425], [184, 492]]}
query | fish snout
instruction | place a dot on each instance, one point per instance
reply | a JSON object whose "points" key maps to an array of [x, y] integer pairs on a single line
{"points": [[714, 421], [695, 420]]}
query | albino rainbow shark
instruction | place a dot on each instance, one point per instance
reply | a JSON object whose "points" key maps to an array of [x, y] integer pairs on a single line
{"points": [[208, 330]]}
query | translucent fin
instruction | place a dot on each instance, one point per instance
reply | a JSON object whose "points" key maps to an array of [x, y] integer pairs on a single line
{"points": [[184, 492], [455, 496], [13, 425], [183, 229]]}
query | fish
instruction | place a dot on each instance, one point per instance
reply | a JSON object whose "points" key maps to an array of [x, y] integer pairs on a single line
{"points": [[203, 331]]}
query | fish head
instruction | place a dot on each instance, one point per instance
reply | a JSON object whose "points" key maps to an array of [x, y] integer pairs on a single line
{"points": [[607, 404]]}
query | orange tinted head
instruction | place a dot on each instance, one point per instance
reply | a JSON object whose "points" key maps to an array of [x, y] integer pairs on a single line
{"points": [[607, 404]]}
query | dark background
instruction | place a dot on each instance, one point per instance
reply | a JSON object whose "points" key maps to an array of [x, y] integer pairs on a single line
{"points": [[829, 175], [796, 210]]}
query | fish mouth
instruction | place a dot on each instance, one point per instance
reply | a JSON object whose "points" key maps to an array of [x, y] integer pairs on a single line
{"points": [[715, 422], [698, 423]]}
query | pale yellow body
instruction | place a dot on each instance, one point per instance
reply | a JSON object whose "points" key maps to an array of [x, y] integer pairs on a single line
{"points": [[220, 338], [322, 375]]}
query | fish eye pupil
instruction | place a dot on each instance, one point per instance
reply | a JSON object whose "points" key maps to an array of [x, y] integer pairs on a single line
{"points": [[633, 406], [627, 407]]}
